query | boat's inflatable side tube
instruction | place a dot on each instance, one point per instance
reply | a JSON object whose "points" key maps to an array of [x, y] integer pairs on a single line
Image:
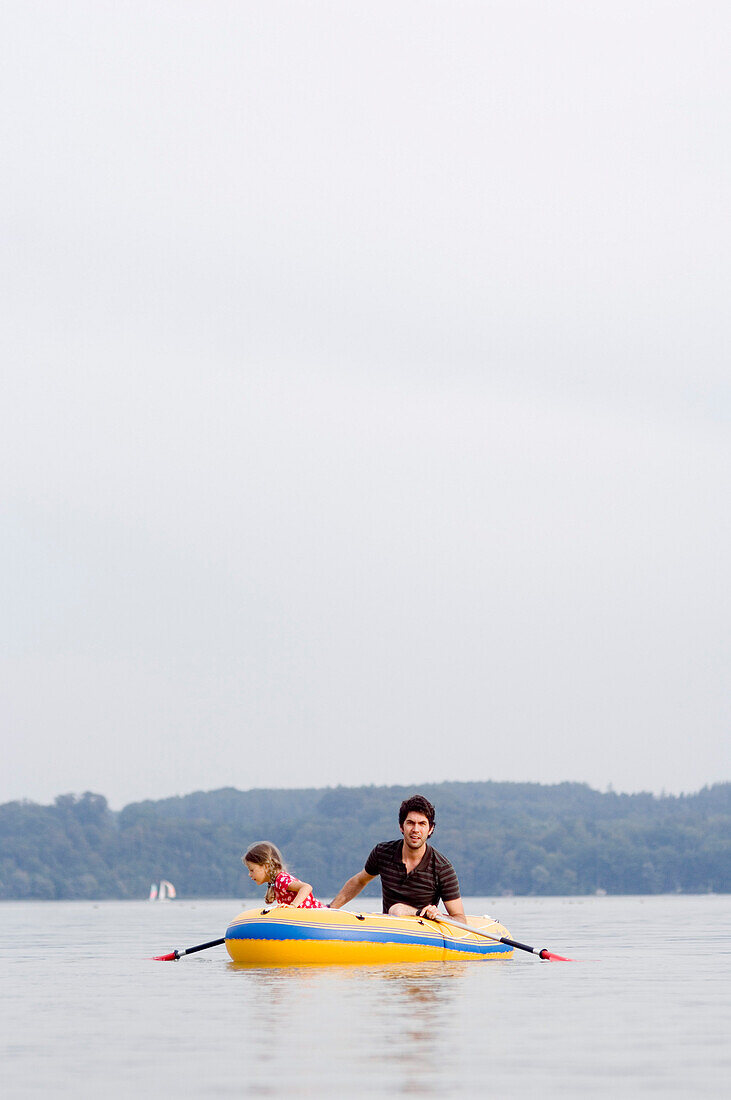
{"points": [[284, 936]]}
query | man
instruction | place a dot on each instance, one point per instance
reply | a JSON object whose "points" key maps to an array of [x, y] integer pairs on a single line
{"points": [[414, 876]]}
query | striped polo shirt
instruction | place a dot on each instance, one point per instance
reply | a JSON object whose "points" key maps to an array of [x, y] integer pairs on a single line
{"points": [[434, 878]]}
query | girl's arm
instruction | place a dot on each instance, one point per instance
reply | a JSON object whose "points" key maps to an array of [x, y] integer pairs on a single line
{"points": [[301, 890]]}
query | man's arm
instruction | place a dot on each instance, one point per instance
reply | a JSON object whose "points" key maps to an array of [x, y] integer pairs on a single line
{"points": [[455, 908], [351, 889]]}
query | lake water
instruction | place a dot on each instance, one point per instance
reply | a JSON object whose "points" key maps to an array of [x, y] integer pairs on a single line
{"points": [[645, 1011]]}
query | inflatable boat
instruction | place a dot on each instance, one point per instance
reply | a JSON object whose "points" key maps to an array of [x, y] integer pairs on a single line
{"points": [[283, 936]]}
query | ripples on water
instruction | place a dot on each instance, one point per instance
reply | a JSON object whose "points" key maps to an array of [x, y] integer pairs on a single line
{"points": [[646, 1010]]}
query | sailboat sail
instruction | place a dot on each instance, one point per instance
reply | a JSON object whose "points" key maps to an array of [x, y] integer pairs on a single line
{"points": [[163, 892]]}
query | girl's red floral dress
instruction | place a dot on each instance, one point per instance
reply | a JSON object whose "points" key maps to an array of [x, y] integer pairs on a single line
{"points": [[286, 897]]}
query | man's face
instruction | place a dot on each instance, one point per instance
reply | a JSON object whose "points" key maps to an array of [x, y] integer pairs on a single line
{"points": [[416, 829]]}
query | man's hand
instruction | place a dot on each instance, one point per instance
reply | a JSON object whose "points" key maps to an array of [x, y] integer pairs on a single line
{"points": [[429, 911]]}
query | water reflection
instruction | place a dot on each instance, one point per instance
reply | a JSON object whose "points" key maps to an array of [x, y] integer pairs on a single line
{"points": [[403, 1011], [421, 998]]}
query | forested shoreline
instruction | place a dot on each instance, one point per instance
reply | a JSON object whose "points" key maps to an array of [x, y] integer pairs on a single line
{"points": [[503, 838]]}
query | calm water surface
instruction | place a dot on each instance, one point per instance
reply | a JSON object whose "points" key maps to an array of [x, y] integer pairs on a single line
{"points": [[645, 1011]]}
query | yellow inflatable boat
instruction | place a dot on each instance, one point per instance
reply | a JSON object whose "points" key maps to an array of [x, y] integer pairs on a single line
{"points": [[283, 936]]}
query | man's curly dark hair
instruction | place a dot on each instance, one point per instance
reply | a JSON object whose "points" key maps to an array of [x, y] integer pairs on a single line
{"points": [[419, 805]]}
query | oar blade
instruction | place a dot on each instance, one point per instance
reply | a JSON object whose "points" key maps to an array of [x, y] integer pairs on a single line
{"points": [[554, 958], [174, 955]]}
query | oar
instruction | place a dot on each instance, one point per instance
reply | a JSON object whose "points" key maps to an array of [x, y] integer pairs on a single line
{"points": [[175, 955], [542, 953]]}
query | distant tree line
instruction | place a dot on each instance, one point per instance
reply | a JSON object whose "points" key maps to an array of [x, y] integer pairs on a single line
{"points": [[503, 838]]}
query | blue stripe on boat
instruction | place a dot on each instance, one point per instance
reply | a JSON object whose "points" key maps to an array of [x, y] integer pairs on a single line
{"points": [[477, 948], [280, 930]]}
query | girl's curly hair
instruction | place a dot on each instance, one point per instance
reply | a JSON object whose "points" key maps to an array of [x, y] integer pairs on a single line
{"points": [[266, 855]]}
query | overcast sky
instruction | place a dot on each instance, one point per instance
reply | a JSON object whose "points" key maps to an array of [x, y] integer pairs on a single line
{"points": [[365, 401]]}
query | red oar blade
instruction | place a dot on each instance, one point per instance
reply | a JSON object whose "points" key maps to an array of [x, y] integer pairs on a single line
{"points": [[554, 958], [188, 951]]}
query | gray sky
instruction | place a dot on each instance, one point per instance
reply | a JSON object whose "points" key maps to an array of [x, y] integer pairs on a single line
{"points": [[365, 409]]}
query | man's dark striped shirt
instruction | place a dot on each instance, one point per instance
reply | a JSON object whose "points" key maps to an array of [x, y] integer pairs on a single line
{"points": [[434, 878]]}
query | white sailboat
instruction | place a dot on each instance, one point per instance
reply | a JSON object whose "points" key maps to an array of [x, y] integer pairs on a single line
{"points": [[164, 892]]}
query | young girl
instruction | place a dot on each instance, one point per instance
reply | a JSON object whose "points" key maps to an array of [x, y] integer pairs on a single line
{"points": [[264, 864]]}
